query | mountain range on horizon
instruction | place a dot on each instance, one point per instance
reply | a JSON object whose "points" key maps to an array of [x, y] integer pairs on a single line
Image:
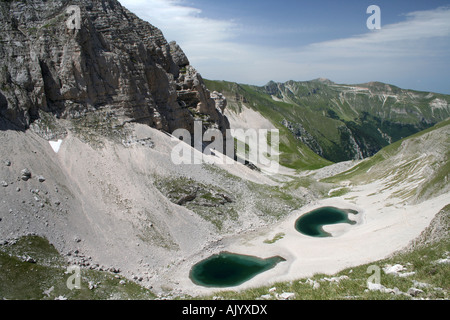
{"points": [[340, 122]]}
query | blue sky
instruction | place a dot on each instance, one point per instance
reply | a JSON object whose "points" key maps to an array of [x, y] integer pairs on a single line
{"points": [[255, 41]]}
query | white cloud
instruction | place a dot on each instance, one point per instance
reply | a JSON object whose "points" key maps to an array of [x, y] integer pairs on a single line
{"points": [[398, 52], [179, 22], [401, 38]]}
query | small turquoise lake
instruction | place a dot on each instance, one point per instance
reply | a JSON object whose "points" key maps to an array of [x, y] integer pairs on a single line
{"points": [[228, 269], [311, 223]]}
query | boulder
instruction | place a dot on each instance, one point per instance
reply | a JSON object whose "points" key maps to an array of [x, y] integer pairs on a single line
{"points": [[313, 283], [379, 287], [375, 286], [287, 295], [178, 55], [414, 292], [25, 174], [395, 269]]}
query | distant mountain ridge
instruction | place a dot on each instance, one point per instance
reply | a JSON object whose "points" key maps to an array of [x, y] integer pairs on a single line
{"points": [[338, 121]]}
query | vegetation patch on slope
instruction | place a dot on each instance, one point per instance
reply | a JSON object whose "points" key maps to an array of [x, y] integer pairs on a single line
{"points": [[32, 269]]}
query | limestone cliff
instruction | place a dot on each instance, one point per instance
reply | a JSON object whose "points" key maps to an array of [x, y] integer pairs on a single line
{"points": [[112, 62]]}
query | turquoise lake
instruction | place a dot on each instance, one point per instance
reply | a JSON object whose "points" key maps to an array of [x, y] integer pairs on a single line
{"points": [[229, 269], [311, 223]]}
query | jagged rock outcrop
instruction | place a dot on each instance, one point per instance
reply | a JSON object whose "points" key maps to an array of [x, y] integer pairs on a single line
{"points": [[194, 96], [113, 62], [301, 134], [220, 100]]}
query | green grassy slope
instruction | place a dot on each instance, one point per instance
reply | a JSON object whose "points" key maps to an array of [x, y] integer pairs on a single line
{"points": [[45, 276], [421, 160]]}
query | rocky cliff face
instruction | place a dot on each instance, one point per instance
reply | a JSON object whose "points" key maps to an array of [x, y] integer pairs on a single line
{"points": [[111, 62]]}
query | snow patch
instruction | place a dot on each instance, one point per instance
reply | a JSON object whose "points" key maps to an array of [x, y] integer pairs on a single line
{"points": [[275, 98], [56, 145]]}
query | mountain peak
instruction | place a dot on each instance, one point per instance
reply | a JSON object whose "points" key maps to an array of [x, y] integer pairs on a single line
{"points": [[324, 80]]}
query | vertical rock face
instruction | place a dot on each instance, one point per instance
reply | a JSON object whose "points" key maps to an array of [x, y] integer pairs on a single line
{"points": [[114, 61]]}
